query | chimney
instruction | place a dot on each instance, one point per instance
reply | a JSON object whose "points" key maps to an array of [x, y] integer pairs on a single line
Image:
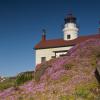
{"points": [[43, 35]]}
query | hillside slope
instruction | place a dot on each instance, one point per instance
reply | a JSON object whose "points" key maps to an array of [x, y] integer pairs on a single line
{"points": [[66, 78]]}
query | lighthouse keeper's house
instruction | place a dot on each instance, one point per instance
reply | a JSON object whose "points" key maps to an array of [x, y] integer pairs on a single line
{"points": [[48, 49]]}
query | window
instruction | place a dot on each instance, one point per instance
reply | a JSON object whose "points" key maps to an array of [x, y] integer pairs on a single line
{"points": [[53, 57], [43, 59], [68, 36]]}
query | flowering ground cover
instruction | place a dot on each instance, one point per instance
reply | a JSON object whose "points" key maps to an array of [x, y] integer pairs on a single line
{"points": [[71, 77]]}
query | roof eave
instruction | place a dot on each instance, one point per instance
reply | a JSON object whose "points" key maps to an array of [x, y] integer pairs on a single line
{"points": [[54, 47]]}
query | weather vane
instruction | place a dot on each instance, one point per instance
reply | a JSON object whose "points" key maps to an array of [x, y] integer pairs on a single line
{"points": [[44, 31]]}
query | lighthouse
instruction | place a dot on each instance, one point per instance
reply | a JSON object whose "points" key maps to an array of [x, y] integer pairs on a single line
{"points": [[70, 30], [47, 49]]}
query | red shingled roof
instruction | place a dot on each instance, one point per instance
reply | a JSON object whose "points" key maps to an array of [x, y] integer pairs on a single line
{"points": [[62, 43]]}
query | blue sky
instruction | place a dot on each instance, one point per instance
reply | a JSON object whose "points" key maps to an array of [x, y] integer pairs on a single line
{"points": [[22, 21]]}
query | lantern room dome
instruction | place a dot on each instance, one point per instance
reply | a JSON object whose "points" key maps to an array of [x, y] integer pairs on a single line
{"points": [[70, 19]]}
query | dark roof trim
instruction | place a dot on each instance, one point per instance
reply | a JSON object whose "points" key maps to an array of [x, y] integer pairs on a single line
{"points": [[60, 51], [54, 47]]}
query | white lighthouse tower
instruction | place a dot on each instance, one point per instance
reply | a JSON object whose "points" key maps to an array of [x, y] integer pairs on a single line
{"points": [[70, 28]]}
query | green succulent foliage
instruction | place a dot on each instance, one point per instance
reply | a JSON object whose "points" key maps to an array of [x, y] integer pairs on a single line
{"points": [[86, 91], [82, 92]]}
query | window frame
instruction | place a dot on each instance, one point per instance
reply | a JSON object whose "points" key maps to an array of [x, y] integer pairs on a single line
{"points": [[43, 59], [68, 36]]}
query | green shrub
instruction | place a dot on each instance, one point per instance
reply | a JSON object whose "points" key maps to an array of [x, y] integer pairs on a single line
{"points": [[68, 66], [24, 77], [7, 84]]}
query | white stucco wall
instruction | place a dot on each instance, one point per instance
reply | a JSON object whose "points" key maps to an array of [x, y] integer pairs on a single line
{"points": [[48, 53]]}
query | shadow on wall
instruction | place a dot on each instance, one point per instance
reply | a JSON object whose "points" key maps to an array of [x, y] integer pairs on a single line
{"points": [[97, 75]]}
